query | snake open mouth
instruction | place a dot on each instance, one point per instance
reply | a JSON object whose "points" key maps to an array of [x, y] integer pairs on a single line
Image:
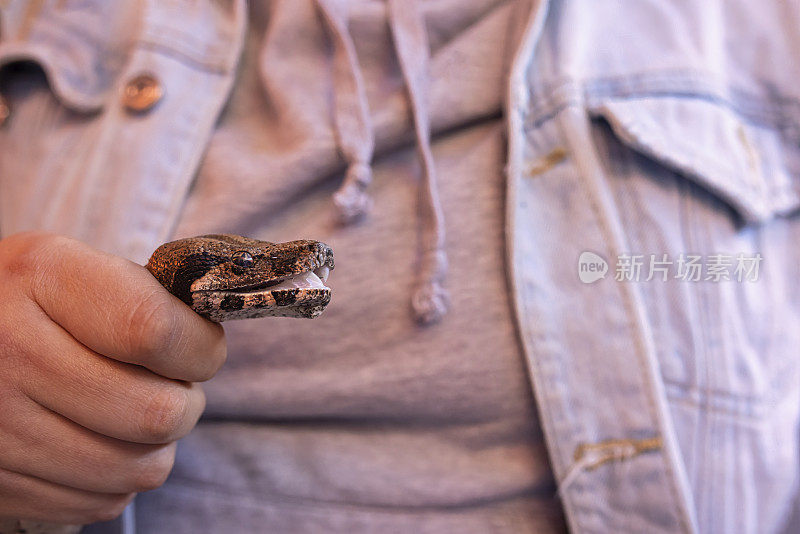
{"points": [[302, 294], [304, 280]]}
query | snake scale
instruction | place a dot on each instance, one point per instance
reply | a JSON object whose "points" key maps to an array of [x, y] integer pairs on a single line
{"points": [[224, 277]]}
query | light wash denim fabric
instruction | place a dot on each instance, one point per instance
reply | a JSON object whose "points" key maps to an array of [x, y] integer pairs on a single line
{"points": [[661, 128], [89, 50], [644, 127]]}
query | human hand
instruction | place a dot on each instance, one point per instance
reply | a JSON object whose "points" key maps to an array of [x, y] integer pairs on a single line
{"points": [[98, 364]]}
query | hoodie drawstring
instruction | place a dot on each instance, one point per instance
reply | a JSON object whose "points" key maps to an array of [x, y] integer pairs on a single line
{"points": [[352, 122], [429, 300], [354, 129]]}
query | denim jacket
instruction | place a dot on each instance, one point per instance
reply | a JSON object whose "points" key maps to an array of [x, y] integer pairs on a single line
{"points": [[637, 131]]}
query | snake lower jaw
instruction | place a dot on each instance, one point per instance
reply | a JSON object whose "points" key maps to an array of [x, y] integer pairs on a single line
{"points": [[302, 295]]}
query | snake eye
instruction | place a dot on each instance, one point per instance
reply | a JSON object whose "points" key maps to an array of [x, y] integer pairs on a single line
{"points": [[242, 258]]}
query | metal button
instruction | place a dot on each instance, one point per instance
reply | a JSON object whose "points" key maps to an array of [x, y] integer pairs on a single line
{"points": [[4, 110], [142, 93]]}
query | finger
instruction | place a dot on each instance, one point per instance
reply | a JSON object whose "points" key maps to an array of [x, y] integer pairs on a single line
{"points": [[30, 498], [116, 399], [118, 309], [46, 445]]}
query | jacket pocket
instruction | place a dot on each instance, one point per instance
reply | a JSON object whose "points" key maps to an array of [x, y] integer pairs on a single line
{"points": [[710, 144]]}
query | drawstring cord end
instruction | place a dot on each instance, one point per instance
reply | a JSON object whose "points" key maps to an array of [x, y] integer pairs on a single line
{"points": [[351, 199], [430, 300]]}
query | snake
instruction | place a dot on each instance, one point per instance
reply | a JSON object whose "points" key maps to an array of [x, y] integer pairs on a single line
{"points": [[226, 277]]}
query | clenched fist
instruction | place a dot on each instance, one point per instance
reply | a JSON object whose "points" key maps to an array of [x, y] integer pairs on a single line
{"points": [[98, 365]]}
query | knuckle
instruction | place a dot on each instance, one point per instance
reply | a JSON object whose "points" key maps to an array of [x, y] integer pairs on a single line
{"points": [[20, 358], [153, 472], [13, 350], [22, 254], [8, 343], [165, 415], [153, 325], [11, 396]]}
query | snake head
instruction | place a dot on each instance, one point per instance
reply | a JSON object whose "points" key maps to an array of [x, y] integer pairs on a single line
{"points": [[224, 277]]}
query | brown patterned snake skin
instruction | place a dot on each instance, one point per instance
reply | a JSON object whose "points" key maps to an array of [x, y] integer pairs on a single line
{"points": [[225, 277]]}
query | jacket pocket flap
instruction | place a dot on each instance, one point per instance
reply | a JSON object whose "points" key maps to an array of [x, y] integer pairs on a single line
{"points": [[706, 143]]}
